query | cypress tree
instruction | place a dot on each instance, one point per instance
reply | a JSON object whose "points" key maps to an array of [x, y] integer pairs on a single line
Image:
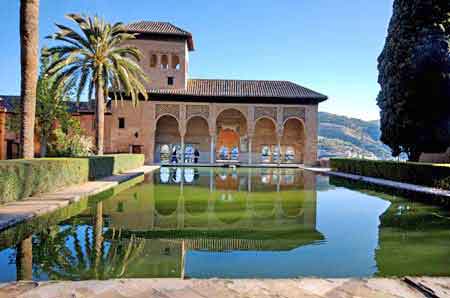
{"points": [[414, 75]]}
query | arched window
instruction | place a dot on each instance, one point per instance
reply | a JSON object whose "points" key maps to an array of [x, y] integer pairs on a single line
{"points": [[164, 62], [175, 62], [153, 60]]}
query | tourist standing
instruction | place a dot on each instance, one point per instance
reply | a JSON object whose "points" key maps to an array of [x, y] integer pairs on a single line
{"points": [[196, 155], [174, 156]]}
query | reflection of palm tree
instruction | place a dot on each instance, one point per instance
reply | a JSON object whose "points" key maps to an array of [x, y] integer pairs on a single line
{"points": [[90, 257], [24, 259]]}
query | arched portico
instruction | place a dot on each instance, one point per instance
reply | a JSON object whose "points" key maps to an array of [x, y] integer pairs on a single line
{"points": [[197, 137], [231, 132], [244, 133], [264, 141], [293, 141], [167, 138]]}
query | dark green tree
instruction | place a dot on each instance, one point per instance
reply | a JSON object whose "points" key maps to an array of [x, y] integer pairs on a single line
{"points": [[415, 78]]}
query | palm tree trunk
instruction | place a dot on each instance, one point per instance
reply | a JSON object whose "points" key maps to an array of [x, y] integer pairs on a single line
{"points": [[100, 118], [98, 236], [24, 259], [29, 34]]}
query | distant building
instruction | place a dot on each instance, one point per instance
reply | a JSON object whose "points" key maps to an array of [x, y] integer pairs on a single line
{"points": [[245, 121]]}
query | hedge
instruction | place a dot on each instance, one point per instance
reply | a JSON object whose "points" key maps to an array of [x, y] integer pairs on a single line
{"points": [[23, 178], [427, 174], [113, 164]]}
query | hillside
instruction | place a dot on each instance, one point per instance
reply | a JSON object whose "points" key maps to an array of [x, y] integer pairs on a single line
{"points": [[350, 137]]}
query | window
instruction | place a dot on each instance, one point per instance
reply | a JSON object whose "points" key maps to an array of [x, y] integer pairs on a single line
{"points": [[164, 62], [175, 62], [121, 122], [170, 81], [153, 60]]}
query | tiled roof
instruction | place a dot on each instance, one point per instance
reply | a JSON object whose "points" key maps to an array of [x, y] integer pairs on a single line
{"points": [[156, 27], [242, 89], [161, 28]]}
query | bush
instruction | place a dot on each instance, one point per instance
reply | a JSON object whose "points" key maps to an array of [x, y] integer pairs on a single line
{"points": [[113, 164], [433, 175], [71, 145], [23, 178]]}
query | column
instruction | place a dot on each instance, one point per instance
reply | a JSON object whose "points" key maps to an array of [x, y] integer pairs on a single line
{"points": [[212, 151], [250, 148], [182, 149], [279, 149]]}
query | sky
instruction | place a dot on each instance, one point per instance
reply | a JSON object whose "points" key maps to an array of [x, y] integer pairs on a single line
{"points": [[329, 46]]}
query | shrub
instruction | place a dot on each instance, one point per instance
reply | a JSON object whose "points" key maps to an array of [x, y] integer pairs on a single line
{"points": [[23, 178], [71, 145], [433, 175], [113, 164]]}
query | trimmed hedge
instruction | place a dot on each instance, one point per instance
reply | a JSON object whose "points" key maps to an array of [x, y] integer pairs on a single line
{"points": [[21, 178], [113, 164], [433, 175]]}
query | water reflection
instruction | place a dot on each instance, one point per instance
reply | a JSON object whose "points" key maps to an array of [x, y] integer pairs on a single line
{"points": [[205, 222]]}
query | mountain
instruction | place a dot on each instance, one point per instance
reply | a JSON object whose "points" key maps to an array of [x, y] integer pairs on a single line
{"points": [[350, 137]]}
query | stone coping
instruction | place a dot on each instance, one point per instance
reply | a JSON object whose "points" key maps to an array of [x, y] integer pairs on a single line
{"points": [[384, 182], [261, 288], [394, 184], [13, 213]]}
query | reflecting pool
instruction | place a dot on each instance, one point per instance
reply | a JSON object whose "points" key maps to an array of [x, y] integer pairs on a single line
{"points": [[232, 223]]}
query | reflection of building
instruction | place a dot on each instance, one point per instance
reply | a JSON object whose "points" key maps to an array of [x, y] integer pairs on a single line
{"points": [[228, 120], [215, 210]]}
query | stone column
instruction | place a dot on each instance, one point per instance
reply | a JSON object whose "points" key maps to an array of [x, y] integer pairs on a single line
{"points": [[212, 157], [279, 137], [250, 148], [310, 155], [182, 149]]}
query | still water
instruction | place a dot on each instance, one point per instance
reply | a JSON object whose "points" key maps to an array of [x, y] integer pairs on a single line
{"points": [[245, 223]]}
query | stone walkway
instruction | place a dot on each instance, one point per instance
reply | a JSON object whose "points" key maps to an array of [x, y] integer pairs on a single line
{"points": [[239, 288], [20, 211]]}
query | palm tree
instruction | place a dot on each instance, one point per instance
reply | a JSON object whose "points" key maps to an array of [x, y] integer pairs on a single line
{"points": [[96, 58], [29, 35]]}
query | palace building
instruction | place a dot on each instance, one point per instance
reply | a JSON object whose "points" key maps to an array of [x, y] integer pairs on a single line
{"points": [[241, 121]]}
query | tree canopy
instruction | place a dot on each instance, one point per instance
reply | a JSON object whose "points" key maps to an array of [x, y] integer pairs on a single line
{"points": [[95, 56], [414, 74]]}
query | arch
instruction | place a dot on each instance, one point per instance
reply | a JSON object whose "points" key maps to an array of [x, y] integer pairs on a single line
{"points": [[175, 62], [293, 140], [274, 121], [153, 60], [231, 127], [166, 134], [301, 120], [197, 136], [265, 144], [164, 61]]}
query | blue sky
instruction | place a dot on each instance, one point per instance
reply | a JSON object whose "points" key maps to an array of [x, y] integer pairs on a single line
{"points": [[327, 45]]}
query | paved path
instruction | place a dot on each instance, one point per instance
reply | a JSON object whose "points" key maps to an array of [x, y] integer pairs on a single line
{"points": [[239, 288], [20, 211]]}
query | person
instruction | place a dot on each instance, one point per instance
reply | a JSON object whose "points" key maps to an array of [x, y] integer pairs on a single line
{"points": [[174, 156], [196, 155]]}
